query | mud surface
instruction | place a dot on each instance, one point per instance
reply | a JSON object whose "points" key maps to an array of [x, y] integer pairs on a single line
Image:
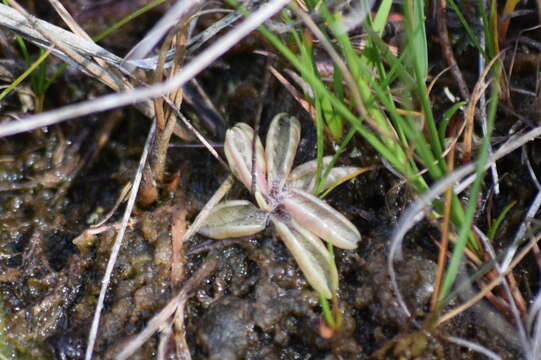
{"points": [[256, 305]]}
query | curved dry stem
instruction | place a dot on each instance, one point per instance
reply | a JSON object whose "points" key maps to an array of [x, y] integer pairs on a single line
{"points": [[490, 286], [182, 9], [415, 212], [474, 347]]}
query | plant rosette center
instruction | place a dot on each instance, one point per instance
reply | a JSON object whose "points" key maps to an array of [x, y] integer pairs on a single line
{"points": [[284, 196]]}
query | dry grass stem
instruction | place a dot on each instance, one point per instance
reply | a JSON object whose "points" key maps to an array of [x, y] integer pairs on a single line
{"points": [[490, 286], [257, 121], [444, 244], [477, 92], [108, 102], [111, 80], [415, 212], [118, 242], [205, 211], [79, 31], [67, 48], [179, 12], [164, 132], [337, 59], [121, 198], [197, 41], [447, 49], [182, 349], [10, 18], [71, 23], [514, 302], [165, 340], [474, 347], [296, 94], [435, 80], [148, 190], [530, 214]]}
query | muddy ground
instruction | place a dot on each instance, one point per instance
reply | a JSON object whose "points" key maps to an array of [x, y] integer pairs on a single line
{"points": [[255, 304]]}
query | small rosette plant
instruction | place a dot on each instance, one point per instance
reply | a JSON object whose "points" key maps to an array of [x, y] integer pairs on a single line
{"points": [[285, 199]]}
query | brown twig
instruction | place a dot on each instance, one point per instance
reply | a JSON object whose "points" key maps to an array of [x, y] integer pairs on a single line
{"points": [[468, 124], [182, 349], [444, 235], [114, 80], [296, 94], [164, 134], [148, 191], [74, 26], [448, 50], [158, 77]]}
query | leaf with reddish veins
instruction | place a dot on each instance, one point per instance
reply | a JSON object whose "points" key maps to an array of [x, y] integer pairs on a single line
{"points": [[280, 149], [234, 218], [311, 255], [303, 177], [238, 151], [318, 217]]}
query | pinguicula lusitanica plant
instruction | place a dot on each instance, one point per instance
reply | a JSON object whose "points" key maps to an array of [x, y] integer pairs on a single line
{"points": [[284, 197]]}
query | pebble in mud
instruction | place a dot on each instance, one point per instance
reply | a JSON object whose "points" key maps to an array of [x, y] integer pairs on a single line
{"points": [[67, 347], [280, 319], [227, 328], [287, 310], [415, 281]]}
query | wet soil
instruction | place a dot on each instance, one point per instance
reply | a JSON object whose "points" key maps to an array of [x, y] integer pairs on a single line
{"points": [[256, 304]]}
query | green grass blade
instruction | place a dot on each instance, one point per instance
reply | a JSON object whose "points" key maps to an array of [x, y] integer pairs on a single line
{"points": [[416, 35], [415, 31], [318, 86], [380, 20], [335, 157], [467, 27], [496, 224], [465, 229], [447, 117], [127, 19], [24, 75], [320, 143]]}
